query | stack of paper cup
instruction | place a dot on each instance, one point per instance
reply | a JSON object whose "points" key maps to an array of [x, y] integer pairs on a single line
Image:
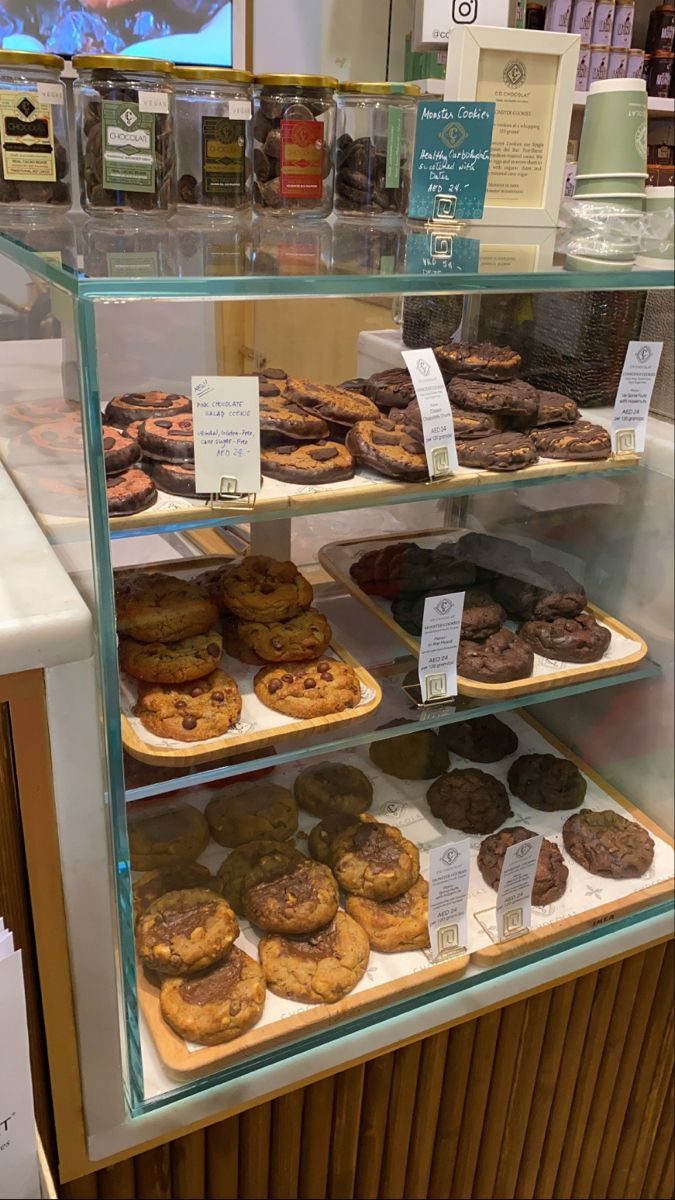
{"points": [[659, 252]]}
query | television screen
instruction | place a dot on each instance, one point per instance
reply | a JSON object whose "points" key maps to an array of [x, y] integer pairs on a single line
{"points": [[183, 31]]}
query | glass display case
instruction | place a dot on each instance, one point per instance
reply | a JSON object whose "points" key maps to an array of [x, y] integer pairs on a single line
{"points": [[257, 716]]}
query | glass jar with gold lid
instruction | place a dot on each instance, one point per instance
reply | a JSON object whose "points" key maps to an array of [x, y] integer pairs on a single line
{"points": [[374, 147], [294, 131], [126, 143], [213, 139], [34, 163]]}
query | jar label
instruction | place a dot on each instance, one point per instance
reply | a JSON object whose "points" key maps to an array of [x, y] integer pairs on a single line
{"points": [[223, 163], [128, 147], [394, 133], [27, 137], [301, 166]]}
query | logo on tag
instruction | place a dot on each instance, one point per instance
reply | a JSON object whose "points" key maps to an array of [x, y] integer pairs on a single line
{"points": [[450, 856], [626, 441], [644, 354], [436, 686], [447, 938], [453, 135], [515, 73], [423, 366], [440, 245], [443, 607], [440, 461], [513, 921], [128, 117], [523, 850], [26, 107]]}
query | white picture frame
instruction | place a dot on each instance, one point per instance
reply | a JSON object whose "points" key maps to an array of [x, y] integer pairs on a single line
{"points": [[474, 72]]}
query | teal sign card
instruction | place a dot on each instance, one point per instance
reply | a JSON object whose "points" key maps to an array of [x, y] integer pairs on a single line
{"points": [[451, 159]]}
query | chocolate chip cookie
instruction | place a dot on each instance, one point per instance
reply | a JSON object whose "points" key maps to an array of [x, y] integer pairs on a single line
{"points": [[501, 657], [581, 442], [418, 755], [268, 858], [301, 900], [481, 615], [374, 860], [322, 836], [129, 492], [138, 406], [546, 782], [177, 478], [119, 450], [320, 967], [185, 931], [607, 844], [171, 662], [152, 607], [394, 450], [481, 740], [327, 787], [252, 812], [567, 639], [331, 403], [516, 402], [312, 689], [551, 875], [307, 462], [190, 712], [169, 439], [218, 1005], [479, 360], [279, 415], [262, 589], [555, 409], [175, 878], [523, 601], [470, 800], [395, 925], [303, 637], [509, 451], [177, 834]]}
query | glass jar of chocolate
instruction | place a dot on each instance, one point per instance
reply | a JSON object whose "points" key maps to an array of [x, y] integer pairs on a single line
{"points": [[213, 139], [373, 148], [294, 131], [34, 164], [125, 118]]}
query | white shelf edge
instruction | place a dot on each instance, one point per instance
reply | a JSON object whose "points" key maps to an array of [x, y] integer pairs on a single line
{"points": [[657, 106]]}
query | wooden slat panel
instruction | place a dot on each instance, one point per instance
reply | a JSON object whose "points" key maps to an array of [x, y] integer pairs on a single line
{"points": [[661, 1153], [374, 1107], [188, 1166], [661, 1085], [546, 1084], [286, 1142], [666, 1186], [254, 1152], [346, 1121], [399, 1121], [525, 1077], [475, 1104], [449, 1125], [117, 1182], [425, 1117], [222, 1160], [511, 1033], [152, 1171], [317, 1122], [84, 1188], [607, 1139]]}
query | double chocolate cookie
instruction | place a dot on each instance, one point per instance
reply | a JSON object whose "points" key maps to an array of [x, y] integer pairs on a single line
{"points": [[395, 450], [169, 439], [567, 639], [467, 425], [119, 450], [555, 409], [129, 492], [400, 568], [139, 406], [605, 843], [479, 360], [392, 388], [516, 402], [508, 451], [501, 657], [284, 418], [525, 600], [470, 800], [546, 782], [177, 478], [481, 615], [307, 463], [331, 403], [581, 442], [481, 740], [551, 875], [329, 787], [418, 755]]}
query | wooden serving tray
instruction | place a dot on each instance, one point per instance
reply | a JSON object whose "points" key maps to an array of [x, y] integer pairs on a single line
{"points": [[626, 648], [264, 726]]}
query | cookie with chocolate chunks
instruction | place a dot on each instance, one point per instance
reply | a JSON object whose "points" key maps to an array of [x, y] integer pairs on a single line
{"points": [[169, 439], [307, 462], [331, 403], [479, 360], [391, 449], [139, 406]]}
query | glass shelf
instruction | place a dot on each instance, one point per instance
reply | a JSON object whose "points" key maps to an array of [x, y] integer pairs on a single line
{"points": [[387, 660], [107, 258]]}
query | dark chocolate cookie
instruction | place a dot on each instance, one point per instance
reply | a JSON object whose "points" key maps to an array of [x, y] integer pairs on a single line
{"points": [[581, 442], [500, 658], [331, 403], [130, 492], [478, 360], [417, 755], [281, 416], [177, 478], [555, 409], [605, 843], [567, 639], [470, 800], [508, 451], [119, 450], [391, 449], [547, 782], [524, 601], [169, 439], [307, 462], [481, 740], [392, 388], [138, 406], [405, 567], [551, 877], [517, 402], [498, 556], [481, 615]]}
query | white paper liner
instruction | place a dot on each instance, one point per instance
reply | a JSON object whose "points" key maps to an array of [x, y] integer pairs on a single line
{"points": [[402, 803]]}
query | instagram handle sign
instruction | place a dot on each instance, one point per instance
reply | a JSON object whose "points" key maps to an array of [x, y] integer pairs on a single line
{"points": [[434, 19]]}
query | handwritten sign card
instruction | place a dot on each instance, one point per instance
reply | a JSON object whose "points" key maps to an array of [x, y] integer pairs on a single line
{"points": [[451, 159], [226, 419]]}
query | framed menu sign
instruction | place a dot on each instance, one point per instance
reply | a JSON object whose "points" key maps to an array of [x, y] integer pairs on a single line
{"points": [[530, 76]]}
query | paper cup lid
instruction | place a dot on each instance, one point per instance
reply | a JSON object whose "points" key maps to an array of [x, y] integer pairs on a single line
{"points": [[617, 85], [617, 175], [661, 193], [609, 196]]}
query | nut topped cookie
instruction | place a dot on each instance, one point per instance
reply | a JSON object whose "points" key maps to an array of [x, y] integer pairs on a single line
{"points": [[470, 800], [138, 406], [555, 409], [152, 607], [327, 787], [331, 403], [374, 860], [171, 662], [320, 967], [479, 360], [262, 589], [185, 931], [394, 925], [551, 875], [303, 637], [509, 451], [582, 442], [307, 462], [281, 416], [252, 811], [547, 782], [268, 858], [311, 689], [169, 439], [608, 844], [217, 1005], [395, 450], [177, 834], [516, 402], [190, 712], [301, 900]]}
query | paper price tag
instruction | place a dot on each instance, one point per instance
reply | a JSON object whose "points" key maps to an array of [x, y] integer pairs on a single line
{"points": [[631, 407], [153, 102], [225, 410], [239, 110], [441, 628], [448, 892], [50, 93], [514, 897], [437, 424]]}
